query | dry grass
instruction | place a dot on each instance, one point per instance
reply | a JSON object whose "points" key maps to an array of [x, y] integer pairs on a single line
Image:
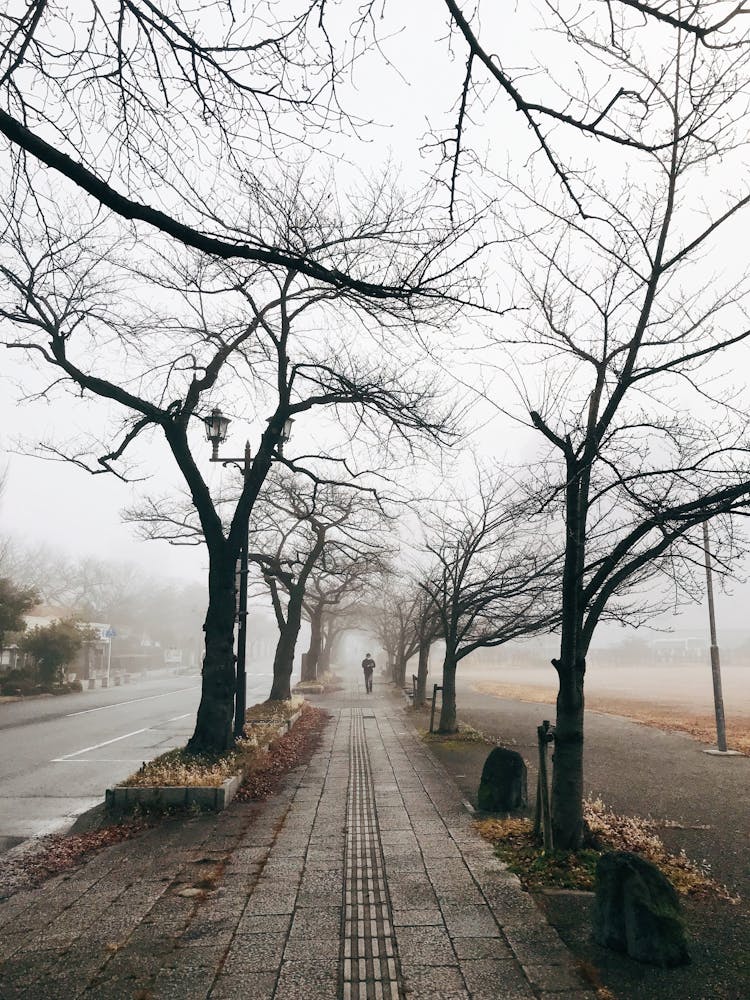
{"points": [[178, 767], [275, 710], [285, 752], [608, 831], [514, 842], [701, 726], [465, 734]]}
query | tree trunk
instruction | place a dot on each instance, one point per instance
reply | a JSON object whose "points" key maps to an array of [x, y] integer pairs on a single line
{"points": [[390, 665], [329, 645], [448, 709], [400, 670], [424, 654], [567, 775], [283, 661], [325, 655], [310, 671], [213, 725]]}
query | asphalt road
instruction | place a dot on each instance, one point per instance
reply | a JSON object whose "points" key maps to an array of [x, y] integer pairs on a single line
{"points": [[58, 754]]}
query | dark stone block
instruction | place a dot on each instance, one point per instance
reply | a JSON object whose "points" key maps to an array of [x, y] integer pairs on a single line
{"points": [[637, 911], [503, 784]]}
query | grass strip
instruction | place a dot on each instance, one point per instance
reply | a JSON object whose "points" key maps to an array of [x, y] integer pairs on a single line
{"points": [[516, 845]]}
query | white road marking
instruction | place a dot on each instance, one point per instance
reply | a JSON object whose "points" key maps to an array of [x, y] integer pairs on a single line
{"points": [[67, 758], [101, 760], [95, 746], [132, 701]]}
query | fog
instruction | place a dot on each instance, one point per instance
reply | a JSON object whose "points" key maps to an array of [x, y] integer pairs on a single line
{"points": [[76, 516], [679, 686]]}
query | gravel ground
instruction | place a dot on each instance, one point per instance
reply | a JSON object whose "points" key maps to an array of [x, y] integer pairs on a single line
{"points": [[641, 771]]}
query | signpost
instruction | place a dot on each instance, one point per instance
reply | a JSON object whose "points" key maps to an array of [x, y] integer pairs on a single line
{"points": [[109, 636]]}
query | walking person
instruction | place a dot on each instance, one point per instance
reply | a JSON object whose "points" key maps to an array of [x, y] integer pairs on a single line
{"points": [[368, 668]]}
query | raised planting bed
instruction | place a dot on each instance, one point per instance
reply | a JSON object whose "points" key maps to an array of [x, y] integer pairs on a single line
{"points": [[178, 781], [325, 684]]}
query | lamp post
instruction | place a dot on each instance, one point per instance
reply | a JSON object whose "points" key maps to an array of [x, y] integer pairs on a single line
{"points": [[217, 427]]}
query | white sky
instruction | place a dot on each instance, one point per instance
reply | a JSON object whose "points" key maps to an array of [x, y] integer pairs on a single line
{"points": [[45, 501]]}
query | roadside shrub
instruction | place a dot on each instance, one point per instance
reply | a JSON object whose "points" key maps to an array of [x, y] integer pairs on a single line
{"points": [[23, 683], [18, 682]]}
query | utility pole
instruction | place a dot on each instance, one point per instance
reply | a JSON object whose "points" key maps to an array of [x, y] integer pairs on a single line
{"points": [[721, 734]]}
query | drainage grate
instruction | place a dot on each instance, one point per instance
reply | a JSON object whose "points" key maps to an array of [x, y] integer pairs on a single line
{"points": [[370, 968]]}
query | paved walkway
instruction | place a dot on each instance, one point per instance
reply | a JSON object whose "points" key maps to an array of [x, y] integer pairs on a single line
{"points": [[362, 878]]}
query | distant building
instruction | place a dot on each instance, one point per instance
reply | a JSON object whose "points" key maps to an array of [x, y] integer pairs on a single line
{"points": [[93, 659]]}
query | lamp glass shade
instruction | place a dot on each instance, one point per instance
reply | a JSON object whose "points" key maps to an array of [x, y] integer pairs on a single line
{"points": [[287, 430], [217, 426]]}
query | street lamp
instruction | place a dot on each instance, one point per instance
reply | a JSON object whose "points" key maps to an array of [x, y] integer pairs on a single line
{"points": [[217, 426], [286, 431]]}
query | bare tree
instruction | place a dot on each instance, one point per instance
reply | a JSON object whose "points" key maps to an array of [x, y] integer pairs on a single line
{"points": [[490, 582], [64, 298], [429, 628], [407, 608], [403, 620], [107, 590], [39, 566], [631, 322], [571, 71], [337, 621], [312, 542], [391, 612], [167, 118]]}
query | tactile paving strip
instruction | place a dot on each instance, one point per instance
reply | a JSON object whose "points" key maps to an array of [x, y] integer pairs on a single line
{"points": [[370, 965]]}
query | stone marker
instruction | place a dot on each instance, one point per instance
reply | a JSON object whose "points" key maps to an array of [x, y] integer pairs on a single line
{"points": [[637, 911], [503, 784]]}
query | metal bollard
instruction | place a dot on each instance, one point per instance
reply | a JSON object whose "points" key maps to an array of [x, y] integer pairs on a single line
{"points": [[435, 689], [543, 820]]}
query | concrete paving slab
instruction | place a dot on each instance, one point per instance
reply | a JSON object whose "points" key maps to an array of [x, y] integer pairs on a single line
{"points": [[255, 953], [469, 920], [302, 980], [427, 982], [419, 945], [418, 918], [260, 986], [253, 923]]}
